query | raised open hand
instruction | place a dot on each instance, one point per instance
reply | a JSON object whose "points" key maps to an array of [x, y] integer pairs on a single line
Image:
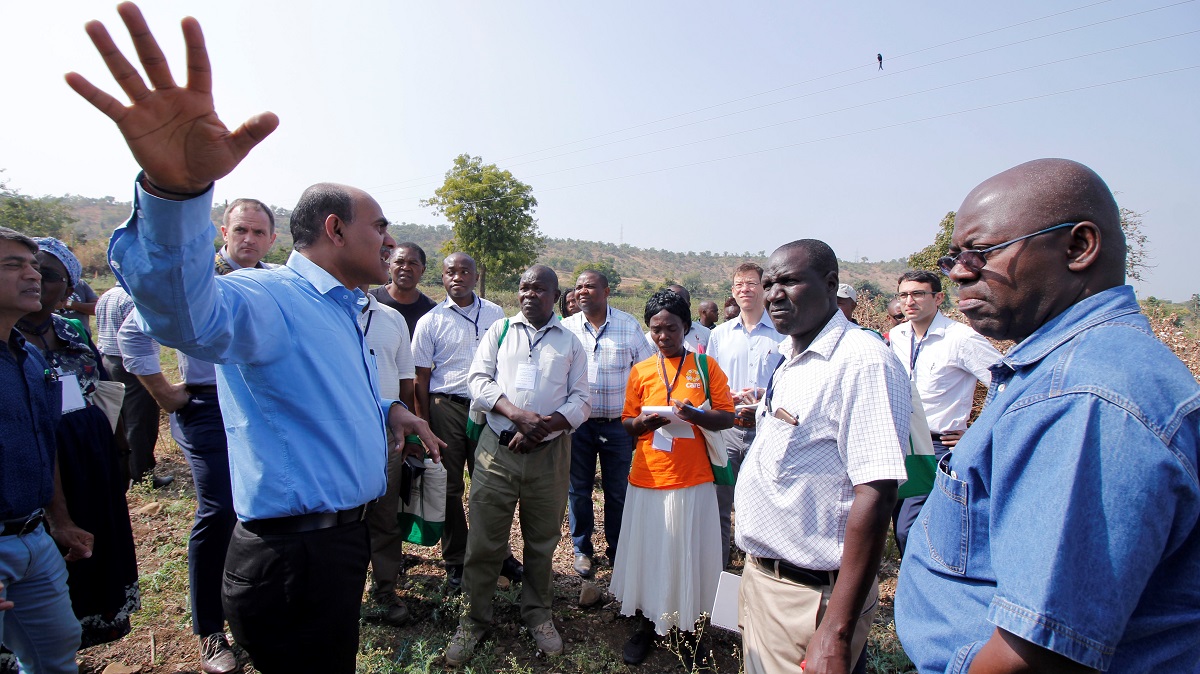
{"points": [[173, 132]]}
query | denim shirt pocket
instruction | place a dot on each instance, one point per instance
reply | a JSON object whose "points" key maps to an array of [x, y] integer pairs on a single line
{"points": [[947, 508]]}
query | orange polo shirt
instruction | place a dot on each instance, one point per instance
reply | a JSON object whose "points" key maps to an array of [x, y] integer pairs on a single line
{"points": [[686, 465]]}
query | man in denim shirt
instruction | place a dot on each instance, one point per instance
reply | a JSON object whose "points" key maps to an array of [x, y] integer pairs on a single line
{"points": [[1061, 534]]}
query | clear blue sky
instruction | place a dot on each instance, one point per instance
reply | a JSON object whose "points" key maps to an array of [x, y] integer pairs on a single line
{"points": [[383, 95]]}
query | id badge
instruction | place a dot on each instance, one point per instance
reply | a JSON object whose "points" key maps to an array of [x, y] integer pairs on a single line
{"points": [[526, 377], [72, 397], [594, 368]]}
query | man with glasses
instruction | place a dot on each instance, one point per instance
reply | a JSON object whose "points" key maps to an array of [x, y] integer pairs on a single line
{"points": [[944, 358], [1062, 534]]}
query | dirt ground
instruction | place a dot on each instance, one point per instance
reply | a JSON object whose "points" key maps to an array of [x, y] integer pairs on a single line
{"points": [[161, 640]]}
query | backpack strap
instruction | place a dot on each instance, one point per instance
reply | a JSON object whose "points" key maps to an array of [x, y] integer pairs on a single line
{"points": [[702, 366]]}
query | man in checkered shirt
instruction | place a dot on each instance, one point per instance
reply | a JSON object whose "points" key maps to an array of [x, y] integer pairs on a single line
{"points": [[816, 490]]}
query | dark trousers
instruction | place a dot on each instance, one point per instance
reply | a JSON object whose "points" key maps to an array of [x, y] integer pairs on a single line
{"points": [[139, 411], [907, 510], [609, 443], [200, 433], [293, 599]]}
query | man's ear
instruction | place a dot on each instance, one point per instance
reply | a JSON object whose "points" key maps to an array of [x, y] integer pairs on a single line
{"points": [[335, 230], [1085, 246]]}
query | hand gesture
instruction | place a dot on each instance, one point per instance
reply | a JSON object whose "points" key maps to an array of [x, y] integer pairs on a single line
{"points": [[174, 133], [404, 423], [687, 411], [76, 541]]}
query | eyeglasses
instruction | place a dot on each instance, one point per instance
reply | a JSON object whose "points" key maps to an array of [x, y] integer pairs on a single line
{"points": [[917, 295], [51, 276], [975, 260], [898, 317]]}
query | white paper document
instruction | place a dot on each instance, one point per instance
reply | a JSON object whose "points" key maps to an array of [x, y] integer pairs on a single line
{"points": [[725, 606], [72, 397]]}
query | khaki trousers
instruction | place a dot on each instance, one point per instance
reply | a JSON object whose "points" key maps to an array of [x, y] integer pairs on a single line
{"points": [[387, 557], [778, 619], [503, 479], [448, 421]]}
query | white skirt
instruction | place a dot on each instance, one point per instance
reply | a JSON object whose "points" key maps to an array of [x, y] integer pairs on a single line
{"points": [[669, 560]]}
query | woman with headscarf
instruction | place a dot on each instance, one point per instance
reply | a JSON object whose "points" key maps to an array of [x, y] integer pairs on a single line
{"points": [[103, 587], [667, 569]]}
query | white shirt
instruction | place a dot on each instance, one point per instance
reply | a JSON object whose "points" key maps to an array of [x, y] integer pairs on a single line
{"points": [[558, 377], [746, 357], [853, 403], [386, 335], [445, 341], [950, 359], [612, 352]]}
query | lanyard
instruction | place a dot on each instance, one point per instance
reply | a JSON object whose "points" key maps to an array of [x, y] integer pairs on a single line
{"points": [[598, 335], [465, 317], [914, 348], [532, 342], [370, 315], [663, 368], [771, 385]]}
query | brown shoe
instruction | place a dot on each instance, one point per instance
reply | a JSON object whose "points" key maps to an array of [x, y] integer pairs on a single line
{"points": [[216, 657]]}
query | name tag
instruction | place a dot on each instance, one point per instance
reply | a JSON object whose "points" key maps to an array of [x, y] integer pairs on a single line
{"points": [[72, 397], [526, 377], [594, 368]]}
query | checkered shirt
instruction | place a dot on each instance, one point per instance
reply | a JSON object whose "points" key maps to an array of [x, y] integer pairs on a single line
{"points": [[851, 397], [445, 341], [612, 351], [112, 309]]}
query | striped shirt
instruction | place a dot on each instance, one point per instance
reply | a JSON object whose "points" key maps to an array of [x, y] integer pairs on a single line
{"points": [[611, 351], [112, 309]]}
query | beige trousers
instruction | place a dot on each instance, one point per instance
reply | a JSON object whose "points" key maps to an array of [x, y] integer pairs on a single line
{"points": [[448, 421], [387, 557], [778, 619], [502, 480]]}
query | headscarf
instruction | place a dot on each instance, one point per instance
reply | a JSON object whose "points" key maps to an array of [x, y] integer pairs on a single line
{"points": [[59, 250]]}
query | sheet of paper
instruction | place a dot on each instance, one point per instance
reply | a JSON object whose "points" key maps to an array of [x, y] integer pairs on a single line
{"points": [[661, 441], [678, 428], [725, 606], [526, 377], [72, 397]]}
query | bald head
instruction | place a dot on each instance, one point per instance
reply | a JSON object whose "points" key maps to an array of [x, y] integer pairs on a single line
{"points": [[681, 291], [1026, 283]]}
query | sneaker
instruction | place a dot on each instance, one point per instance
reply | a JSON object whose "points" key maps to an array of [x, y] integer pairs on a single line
{"points": [[461, 646], [638, 647], [583, 565], [216, 657], [512, 569], [547, 638], [454, 573]]}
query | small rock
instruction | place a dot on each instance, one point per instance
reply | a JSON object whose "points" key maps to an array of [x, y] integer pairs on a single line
{"points": [[503, 583], [120, 667], [150, 509], [589, 594]]}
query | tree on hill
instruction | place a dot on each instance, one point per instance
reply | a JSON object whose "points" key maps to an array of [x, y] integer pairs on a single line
{"points": [[491, 213], [36, 216], [604, 267], [927, 257]]}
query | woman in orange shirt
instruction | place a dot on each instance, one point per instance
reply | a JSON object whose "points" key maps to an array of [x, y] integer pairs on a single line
{"points": [[670, 558]]}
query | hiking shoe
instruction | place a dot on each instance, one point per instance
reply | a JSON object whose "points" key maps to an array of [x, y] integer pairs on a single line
{"points": [[638, 647], [512, 569], [583, 565], [461, 646], [547, 638], [397, 614], [454, 573], [216, 657]]}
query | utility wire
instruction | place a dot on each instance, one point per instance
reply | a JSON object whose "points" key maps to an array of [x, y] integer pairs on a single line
{"points": [[828, 112], [843, 135], [776, 89]]}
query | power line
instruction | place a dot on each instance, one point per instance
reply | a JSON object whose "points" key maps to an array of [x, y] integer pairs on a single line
{"points": [[776, 89], [848, 134], [829, 112]]}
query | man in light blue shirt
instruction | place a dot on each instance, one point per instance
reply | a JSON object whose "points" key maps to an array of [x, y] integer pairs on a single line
{"points": [[297, 383], [1061, 534], [747, 349]]}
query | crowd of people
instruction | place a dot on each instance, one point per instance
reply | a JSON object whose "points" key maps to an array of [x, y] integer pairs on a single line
{"points": [[1057, 532]]}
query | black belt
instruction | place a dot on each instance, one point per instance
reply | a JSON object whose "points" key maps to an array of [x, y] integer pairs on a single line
{"points": [[202, 389], [23, 525], [604, 420], [298, 524], [788, 571], [461, 400]]}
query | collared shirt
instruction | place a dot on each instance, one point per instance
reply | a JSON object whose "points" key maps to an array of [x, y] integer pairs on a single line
{"points": [[298, 386], [796, 486], [225, 264], [747, 356], [611, 351], [387, 337], [32, 403], [1067, 514], [446, 339], [950, 358], [559, 374], [112, 309]]}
